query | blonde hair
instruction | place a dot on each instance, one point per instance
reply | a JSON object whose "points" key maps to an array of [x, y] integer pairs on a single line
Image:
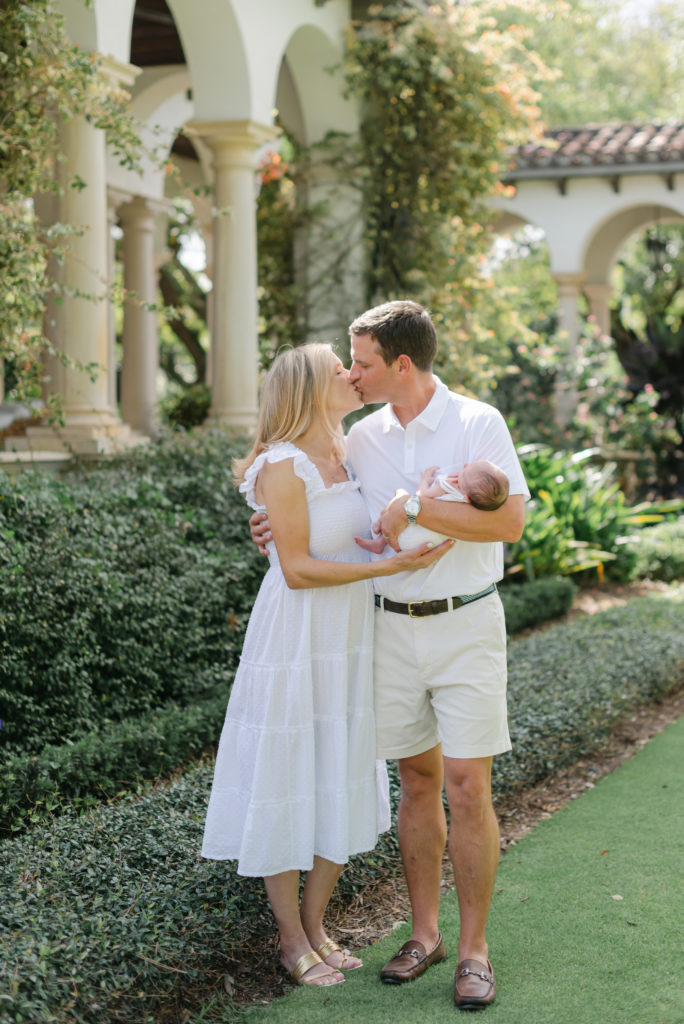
{"points": [[293, 396]]}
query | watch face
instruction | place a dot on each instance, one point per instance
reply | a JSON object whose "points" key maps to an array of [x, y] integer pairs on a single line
{"points": [[412, 507]]}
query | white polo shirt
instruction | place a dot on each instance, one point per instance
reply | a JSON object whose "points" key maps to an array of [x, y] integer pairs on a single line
{"points": [[450, 431]]}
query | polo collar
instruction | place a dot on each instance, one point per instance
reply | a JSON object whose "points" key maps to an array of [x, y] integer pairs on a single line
{"points": [[431, 415]]}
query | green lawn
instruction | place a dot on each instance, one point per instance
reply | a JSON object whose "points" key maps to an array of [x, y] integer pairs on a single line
{"points": [[565, 948]]}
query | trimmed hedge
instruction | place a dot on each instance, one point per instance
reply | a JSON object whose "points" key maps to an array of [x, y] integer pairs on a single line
{"points": [[121, 589], [109, 916], [121, 755], [102, 764], [567, 685], [527, 604], [107, 913]]}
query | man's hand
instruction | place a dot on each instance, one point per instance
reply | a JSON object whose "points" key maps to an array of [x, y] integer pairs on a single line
{"points": [[260, 531], [392, 519]]}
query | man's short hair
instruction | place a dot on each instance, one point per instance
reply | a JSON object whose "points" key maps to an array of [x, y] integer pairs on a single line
{"points": [[400, 328]]}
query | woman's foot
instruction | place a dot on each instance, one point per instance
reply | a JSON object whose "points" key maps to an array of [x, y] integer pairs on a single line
{"points": [[310, 969], [339, 959]]}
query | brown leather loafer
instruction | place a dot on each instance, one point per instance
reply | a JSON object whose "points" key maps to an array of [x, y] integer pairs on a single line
{"points": [[411, 961], [474, 985]]}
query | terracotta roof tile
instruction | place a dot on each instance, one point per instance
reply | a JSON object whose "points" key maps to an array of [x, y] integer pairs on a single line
{"points": [[615, 145]]}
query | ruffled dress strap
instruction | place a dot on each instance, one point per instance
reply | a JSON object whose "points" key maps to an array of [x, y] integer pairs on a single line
{"points": [[303, 468]]}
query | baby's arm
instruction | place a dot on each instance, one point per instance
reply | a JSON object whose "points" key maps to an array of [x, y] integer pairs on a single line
{"points": [[453, 479], [429, 486]]}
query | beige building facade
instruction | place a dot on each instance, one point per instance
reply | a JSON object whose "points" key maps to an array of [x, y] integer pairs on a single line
{"points": [[589, 192]]}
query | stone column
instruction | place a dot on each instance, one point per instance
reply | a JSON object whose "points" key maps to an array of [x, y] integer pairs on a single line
{"points": [[140, 363], [91, 425], [569, 290], [83, 319], [234, 334], [598, 296]]}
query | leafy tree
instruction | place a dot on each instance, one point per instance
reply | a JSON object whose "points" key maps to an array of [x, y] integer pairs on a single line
{"points": [[521, 314], [183, 332], [630, 386], [610, 64], [647, 323], [185, 304]]}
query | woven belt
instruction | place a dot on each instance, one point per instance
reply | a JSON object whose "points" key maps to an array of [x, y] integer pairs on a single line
{"points": [[418, 609]]}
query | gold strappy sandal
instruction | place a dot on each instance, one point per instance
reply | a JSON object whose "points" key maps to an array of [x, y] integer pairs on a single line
{"points": [[304, 964], [329, 947]]}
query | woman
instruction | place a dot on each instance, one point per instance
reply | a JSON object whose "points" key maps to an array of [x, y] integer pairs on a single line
{"points": [[296, 785]]}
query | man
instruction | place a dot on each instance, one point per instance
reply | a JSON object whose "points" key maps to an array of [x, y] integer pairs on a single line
{"points": [[440, 639]]}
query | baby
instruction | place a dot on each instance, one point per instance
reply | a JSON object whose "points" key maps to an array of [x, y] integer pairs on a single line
{"points": [[482, 484]]}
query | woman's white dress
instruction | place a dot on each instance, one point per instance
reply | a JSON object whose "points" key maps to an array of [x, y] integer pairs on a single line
{"points": [[296, 773]]}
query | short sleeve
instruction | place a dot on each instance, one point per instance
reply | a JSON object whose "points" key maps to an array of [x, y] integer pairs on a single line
{"points": [[302, 466], [491, 440]]}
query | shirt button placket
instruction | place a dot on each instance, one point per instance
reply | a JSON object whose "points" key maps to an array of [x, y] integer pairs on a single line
{"points": [[410, 448]]}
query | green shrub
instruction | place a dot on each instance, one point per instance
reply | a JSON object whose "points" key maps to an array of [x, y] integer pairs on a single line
{"points": [[187, 408], [108, 916], [568, 684], [102, 764], [659, 552], [102, 911], [105, 914], [526, 604], [121, 589]]}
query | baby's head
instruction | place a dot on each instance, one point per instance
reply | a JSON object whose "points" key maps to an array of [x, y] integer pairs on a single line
{"points": [[483, 484]]}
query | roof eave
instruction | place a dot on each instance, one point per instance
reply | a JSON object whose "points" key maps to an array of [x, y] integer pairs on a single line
{"points": [[552, 173]]}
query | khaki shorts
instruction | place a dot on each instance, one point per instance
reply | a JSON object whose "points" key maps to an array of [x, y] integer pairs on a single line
{"points": [[442, 679]]}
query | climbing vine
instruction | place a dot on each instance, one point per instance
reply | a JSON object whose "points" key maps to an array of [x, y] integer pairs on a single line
{"points": [[46, 80], [444, 92]]}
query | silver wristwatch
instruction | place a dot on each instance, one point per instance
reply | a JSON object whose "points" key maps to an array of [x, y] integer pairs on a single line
{"points": [[412, 508]]}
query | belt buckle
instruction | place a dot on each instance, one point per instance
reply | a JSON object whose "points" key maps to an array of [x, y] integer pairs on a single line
{"points": [[410, 609]]}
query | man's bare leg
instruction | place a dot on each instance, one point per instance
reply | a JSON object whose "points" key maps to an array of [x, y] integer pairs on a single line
{"points": [[473, 848], [422, 838]]}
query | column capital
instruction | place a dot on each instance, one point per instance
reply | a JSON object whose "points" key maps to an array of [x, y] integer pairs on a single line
{"points": [[598, 295], [225, 137], [569, 284], [118, 73], [136, 209], [116, 197]]}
